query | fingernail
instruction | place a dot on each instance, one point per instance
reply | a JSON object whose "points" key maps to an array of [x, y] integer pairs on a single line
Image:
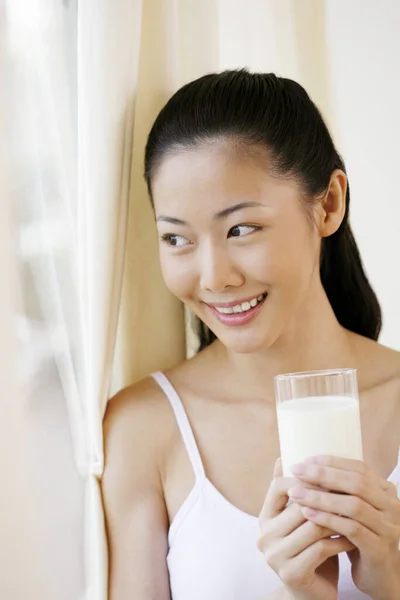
{"points": [[296, 493], [314, 460], [299, 469], [309, 512]]}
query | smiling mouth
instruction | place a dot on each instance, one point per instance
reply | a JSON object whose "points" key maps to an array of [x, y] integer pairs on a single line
{"points": [[241, 313], [241, 307]]}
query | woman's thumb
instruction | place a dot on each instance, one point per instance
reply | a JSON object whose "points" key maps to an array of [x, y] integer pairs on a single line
{"points": [[278, 468]]}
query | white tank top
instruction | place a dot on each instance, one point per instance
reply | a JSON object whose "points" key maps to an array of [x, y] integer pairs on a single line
{"points": [[213, 552]]}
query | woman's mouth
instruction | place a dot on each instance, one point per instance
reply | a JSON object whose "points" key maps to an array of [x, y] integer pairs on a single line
{"points": [[240, 313]]}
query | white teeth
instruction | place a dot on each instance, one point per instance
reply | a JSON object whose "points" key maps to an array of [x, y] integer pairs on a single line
{"points": [[224, 311], [239, 308]]}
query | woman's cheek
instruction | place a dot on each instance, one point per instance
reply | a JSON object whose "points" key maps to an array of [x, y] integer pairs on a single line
{"points": [[179, 277]]}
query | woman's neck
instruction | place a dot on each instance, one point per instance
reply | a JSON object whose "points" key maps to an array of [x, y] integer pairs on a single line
{"points": [[314, 341]]}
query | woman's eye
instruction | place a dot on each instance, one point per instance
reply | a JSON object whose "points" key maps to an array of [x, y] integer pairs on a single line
{"points": [[242, 230], [175, 240]]}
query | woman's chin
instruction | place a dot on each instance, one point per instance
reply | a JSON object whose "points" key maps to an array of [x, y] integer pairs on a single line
{"points": [[245, 342]]}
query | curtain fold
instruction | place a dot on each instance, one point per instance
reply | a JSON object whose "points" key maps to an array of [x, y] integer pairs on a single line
{"points": [[73, 75], [107, 63], [20, 537], [41, 188], [151, 327]]}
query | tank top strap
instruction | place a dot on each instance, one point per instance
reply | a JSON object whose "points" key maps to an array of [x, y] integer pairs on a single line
{"points": [[183, 423]]}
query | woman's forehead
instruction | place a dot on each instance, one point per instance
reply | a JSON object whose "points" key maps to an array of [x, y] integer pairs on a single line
{"points": [[211, 175]]}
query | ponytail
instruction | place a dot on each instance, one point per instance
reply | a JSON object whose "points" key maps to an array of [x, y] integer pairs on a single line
{"points": [[342, 274]]}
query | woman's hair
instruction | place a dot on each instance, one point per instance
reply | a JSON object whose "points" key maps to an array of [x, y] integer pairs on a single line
{"points": [[261, 110]]}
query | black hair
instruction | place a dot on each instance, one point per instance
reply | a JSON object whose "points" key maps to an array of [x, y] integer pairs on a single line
{"points": [[251, 110]]}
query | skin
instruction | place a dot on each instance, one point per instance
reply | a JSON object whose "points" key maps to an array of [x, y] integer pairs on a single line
{"points": [[228, 390]]}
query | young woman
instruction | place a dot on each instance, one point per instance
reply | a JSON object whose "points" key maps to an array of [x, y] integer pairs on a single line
{"points": [[251, 202]]}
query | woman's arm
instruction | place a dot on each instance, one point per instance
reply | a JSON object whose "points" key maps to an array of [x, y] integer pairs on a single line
{"points": [[136, 518]]}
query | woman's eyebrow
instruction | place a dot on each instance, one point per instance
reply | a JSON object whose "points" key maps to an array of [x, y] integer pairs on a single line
{"points": [[231, 209], [172, 220], [222, 214]]}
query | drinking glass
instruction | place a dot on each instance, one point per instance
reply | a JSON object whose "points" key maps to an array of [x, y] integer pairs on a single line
{"points": [[318, 413]]}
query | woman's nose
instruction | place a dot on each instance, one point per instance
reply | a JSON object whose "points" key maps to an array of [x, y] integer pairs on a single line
{"points": [[218, 271]]}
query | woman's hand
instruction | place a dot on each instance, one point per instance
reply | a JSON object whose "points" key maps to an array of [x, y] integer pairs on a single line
{"points": [[365, 509], [299, 551]]}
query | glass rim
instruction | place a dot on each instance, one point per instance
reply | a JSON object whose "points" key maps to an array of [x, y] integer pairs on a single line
{"points": [[322, 373]]}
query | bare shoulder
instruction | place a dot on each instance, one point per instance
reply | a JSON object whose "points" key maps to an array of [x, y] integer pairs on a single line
{"points": [[138, 420], [378, 364], [379, 384], [142, 400]]}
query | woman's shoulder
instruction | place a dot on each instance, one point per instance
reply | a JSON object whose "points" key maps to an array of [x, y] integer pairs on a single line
{"points": [[144, 404], [379, 383], [143, 398], [378, 365], [138, 421]]}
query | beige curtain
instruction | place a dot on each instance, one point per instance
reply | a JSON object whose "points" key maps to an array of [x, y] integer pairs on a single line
{"points": [[151, 328]]}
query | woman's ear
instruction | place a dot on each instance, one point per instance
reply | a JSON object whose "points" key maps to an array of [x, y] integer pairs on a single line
{"points": [[333, 205]]}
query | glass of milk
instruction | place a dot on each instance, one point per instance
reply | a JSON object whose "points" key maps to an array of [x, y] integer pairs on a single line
{"points": [[318, 413]]}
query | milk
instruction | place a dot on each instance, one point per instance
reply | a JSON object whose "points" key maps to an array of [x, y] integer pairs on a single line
{"points": [[318, 425]]}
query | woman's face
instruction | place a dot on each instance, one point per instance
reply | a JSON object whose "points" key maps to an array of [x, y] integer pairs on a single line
{"points": [[236, 245]]}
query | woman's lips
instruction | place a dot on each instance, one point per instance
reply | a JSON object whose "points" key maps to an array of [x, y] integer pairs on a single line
{"points": [[237, 319]]}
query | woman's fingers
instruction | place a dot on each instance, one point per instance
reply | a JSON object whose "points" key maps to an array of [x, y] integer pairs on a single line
{"points": [[309, 533], [287, 537], [278, 544], [277, 497], [352, 507], [294, 570], [280, 526], [357, 479], [347, 464], [355, 532]]}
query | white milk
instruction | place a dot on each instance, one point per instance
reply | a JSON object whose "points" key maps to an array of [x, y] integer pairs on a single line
{"points": [[318, 425]]}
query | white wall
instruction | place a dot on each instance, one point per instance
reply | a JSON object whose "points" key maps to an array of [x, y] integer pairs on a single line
{"points": [[363, 38]]}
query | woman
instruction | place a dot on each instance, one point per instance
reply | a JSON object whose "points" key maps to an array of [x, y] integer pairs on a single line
{"points": [[251, 203]]}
